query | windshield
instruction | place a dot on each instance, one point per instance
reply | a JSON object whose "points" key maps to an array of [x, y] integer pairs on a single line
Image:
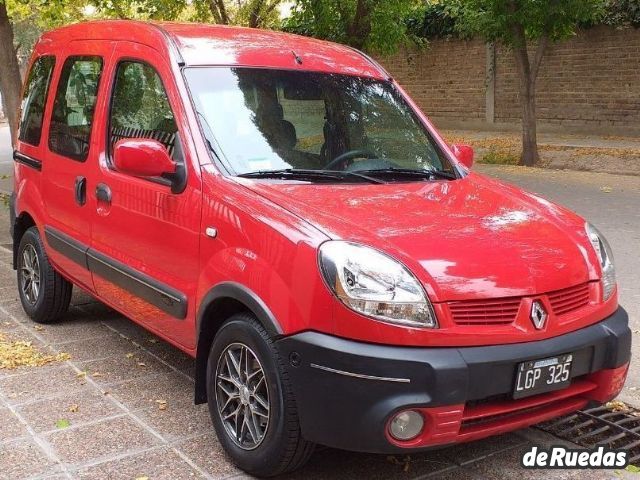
{"points": [[269, 120]]}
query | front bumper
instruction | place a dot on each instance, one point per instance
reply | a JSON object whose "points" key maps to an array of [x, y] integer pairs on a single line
{"points": [[346, 391]]}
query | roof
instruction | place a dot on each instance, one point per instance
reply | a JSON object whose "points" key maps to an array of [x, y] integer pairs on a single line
{"points": [[204, 44]]}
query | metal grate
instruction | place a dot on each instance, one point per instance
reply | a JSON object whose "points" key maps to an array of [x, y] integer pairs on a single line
{"points": [[601, 426]]}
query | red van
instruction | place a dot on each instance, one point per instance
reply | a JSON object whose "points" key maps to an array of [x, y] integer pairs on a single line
{"points": [[278, 208]]}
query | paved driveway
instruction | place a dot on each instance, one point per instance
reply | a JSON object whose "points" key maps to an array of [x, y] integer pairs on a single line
{"points": [[121, 407]]}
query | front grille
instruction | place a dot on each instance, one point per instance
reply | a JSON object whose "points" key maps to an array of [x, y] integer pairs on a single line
{"points": [[487, 312], [569, 299], [504, 311]]}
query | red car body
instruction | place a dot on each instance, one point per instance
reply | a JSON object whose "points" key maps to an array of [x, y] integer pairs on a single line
{"points": [[482, 250]]}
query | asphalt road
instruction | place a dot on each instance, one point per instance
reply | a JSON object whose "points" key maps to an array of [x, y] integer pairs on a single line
{"points": [[611, 203]]}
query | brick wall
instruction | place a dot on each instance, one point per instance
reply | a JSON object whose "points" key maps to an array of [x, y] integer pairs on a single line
{"points": [[447, 80], [591, 80]]}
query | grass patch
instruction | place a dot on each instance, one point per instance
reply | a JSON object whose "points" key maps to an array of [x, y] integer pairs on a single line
{"points": [[499, 157]]}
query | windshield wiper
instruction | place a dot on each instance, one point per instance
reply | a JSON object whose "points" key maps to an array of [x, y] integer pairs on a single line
{"points": [[309, 173], [410, 172]]}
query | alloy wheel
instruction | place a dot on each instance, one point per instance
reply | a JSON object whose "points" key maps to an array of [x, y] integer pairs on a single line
{"points": [[242, 396], [30, 274]]}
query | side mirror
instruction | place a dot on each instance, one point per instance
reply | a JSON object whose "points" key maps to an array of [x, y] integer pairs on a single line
{"points": [[464, 153], [142, 157]]}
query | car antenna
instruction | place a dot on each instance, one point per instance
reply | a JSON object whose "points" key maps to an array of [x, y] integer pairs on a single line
{"points": [[297, 57]]}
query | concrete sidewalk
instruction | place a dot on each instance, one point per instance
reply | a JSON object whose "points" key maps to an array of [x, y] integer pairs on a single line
{"points": [[605, 154], [121, 405]]}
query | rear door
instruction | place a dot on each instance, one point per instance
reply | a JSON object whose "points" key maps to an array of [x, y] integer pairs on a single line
{"points": [[145, 238], [71, 148]]}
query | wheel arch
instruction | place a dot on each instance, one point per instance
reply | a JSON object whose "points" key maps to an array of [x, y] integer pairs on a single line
{"points": [[20, 224], [221, 302]]}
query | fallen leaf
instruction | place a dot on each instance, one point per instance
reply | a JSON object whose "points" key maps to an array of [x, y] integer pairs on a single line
{"points": [[617, 406], [142, 478], [129, 355], [74, 408], [62, 423], [605, 189], [82, 374], [632, 469], [14, 354], [97, 374], [39, 328], [162, 404], [142, 364]]}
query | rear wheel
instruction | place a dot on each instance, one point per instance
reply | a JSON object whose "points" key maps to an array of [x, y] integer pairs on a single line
{"points": [[251, 402], [44, 293]]}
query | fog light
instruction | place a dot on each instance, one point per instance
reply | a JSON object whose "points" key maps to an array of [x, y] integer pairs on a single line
{"points": [[406, 425]]}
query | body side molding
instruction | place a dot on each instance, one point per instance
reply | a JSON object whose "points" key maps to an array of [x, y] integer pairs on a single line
{"points": [[141, 285]]}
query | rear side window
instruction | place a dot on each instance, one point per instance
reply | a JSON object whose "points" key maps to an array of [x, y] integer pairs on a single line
{"points": [[35, 99], [140, 107], [75, 101]]}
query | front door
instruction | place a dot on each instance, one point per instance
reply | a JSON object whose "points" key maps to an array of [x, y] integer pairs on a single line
{"points": [[71, 149], [145, 238]]}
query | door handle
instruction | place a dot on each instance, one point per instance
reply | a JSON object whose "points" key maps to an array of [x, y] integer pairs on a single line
{"points": [[81, 190], [103, 193]]}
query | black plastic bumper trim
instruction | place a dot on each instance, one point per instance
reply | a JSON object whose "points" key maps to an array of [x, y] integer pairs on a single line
{"points": [[67, 246], [158, 294], [350, 412], [359, 375]]}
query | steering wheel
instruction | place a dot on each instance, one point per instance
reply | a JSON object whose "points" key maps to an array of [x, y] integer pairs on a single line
{"points": [[349, 155]]}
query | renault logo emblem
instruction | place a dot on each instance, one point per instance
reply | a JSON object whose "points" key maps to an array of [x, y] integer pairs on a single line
{"points": [[538, 315]]}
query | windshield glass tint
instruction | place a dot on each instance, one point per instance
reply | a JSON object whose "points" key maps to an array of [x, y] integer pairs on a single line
{"points": [[265, 119]]}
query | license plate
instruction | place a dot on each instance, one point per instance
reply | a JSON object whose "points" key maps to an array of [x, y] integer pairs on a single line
{"points": [[541, 376]]}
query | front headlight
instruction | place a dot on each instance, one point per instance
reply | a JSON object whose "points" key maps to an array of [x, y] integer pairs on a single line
{"points": [[374, 284], [605, 256]]}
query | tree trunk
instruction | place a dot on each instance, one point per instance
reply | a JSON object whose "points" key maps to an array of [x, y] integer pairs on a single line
{"points": [[254, 15], [10, 81], [359, 28], [529, 155], [219, 11]]}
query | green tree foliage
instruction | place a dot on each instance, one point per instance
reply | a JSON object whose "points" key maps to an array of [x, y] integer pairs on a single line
{"points": [[372, 25], [517, 23], [139, 9], [432, 20], [620, 13]]}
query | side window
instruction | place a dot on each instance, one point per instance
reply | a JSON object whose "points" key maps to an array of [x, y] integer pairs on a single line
{"points": [[140, 107], [34, 100], [72, 116]]}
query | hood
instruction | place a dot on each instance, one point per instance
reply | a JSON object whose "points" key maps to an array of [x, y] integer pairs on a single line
{"points": [[465, 239]]}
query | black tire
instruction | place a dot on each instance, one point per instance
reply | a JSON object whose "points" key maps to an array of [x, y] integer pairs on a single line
{"points": [[54, 292], [282, 448]]}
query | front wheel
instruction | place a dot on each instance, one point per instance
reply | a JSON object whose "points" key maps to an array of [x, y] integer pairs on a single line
{"points": [[251, 402], [44, 293]]}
